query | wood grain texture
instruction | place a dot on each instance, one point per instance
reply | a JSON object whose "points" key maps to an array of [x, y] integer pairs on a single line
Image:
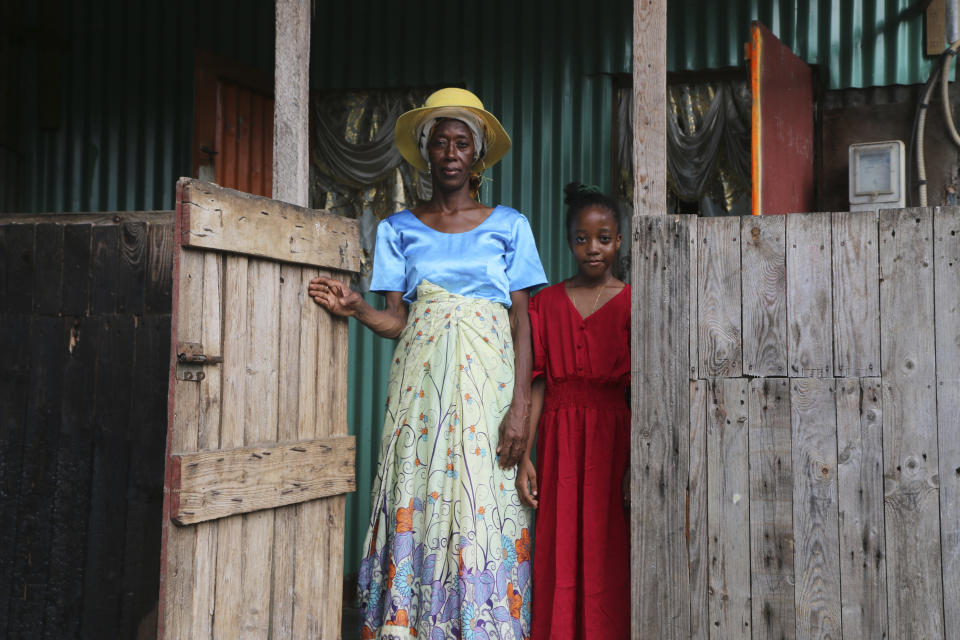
{"points": [[291, 114], [659, 449], [910, 460], [728, 509], [771, 509], [649, 108], [863, 567], [815, 515], [697, 544], [292, 295], [809, 306], [718, 297], [229, 598], [856, 294], [947, 282], [310, 530], [178, 580], [262, 359], [216, 484], [691, 222], [764, 269], [227, 220]]}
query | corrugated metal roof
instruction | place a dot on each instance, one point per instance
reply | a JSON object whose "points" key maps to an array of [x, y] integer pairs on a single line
{"points": [[858, 43]]}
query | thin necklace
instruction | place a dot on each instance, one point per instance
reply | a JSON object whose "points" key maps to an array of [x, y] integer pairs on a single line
{"points": [[597, 301]]}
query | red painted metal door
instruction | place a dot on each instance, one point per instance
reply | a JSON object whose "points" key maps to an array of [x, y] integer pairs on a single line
{"points": [[782, 128]]}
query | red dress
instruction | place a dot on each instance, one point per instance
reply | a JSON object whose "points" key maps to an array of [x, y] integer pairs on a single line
{"points": [[581, 566]]}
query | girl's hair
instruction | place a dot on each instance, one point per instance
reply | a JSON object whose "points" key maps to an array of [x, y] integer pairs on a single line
{"points": [[578, 197]]}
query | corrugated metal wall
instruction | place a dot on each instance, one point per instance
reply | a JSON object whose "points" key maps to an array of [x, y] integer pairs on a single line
{"points": [[543, 67], [120, 130], [859, 43]]}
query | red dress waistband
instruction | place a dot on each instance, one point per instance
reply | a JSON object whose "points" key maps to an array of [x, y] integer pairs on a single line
{"points": [[563, 394]]}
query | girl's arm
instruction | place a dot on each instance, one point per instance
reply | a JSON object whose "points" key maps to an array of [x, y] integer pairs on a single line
{"points": [[513, 428], [341, 300], [527, 472]]}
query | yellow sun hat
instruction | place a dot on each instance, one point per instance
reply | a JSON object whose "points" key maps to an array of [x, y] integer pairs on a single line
{"points": [[443, 101]]}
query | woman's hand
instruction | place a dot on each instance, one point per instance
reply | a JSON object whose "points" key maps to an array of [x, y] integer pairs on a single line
{"points": [[527, 482], [513, 435], [334, 296]]}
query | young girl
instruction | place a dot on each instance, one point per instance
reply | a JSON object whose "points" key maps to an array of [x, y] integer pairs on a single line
{"points": [[581, 344]]}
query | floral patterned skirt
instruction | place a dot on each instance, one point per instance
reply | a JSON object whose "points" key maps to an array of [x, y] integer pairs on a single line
{"points": [[448, 548]]}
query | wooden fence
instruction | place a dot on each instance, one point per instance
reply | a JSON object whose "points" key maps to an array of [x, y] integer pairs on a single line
{"points": [[85, 305], [816, 492]]}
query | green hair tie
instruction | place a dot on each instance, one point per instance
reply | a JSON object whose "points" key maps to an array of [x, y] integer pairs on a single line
{"points": [[588, 188]]}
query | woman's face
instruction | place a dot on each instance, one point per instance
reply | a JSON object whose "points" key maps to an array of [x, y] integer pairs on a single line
{"points": [[451, 152], [595, 240]]}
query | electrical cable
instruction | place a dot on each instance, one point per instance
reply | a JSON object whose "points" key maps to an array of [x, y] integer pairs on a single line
{"points": [[941, 73]]}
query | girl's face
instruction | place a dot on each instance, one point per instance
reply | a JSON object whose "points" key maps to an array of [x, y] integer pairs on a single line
{"points": [[595, 240], [451, 152]]}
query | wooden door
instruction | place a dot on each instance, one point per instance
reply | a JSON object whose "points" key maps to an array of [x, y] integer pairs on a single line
{"points": [[258, 458], [781, 135]]}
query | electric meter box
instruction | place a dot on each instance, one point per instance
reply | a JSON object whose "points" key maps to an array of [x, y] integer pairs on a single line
{"points": [[877, 178]]}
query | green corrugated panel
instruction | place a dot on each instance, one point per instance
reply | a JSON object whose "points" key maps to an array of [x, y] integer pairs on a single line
{"points": [[858, 43], [544, 68]]}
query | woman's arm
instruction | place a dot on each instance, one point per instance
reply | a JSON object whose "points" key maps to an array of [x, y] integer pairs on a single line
{"points": [[513, 429], [526, 471], [341, 300]]}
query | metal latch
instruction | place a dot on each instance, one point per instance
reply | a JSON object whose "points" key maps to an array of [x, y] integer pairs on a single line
{"points": [[190, 361]]}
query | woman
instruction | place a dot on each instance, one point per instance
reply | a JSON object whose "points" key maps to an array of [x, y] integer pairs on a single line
{"points": [[448, 548]]}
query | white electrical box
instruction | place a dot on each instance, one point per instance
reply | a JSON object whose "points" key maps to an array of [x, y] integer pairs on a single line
{"points": [[877, 178]]}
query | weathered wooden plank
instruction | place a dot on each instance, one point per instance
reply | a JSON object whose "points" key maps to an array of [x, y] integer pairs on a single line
{"points": [[147, 429], [311, 532], [910, 460], [291, 134], [48, 269], [18, 254], [856, 294], [228, 220], [178, 584], [229, 597], [14, 394], [133, 269], [764, 268], [809, 309], [815, 516], [211, 310], [31, 561], [76, 269], [159, 273], [285, 520], [946, 223], [336, 505], [691, 223], [697, 499], [103, 571], [718, 297], [108, 218], [863, 571], [104, 278], [771, 509], [68, 515], [649, 109], [728, 510], [260, 426], [215, 484], [659, 449]]}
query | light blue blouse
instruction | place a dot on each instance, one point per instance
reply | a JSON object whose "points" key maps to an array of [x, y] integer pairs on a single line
{"points": [[494, 258]]}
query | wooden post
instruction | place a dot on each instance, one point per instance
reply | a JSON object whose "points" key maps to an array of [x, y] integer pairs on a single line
{"points": [[660, 448], [291, 115]]}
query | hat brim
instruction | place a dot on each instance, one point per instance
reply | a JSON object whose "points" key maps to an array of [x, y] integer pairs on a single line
{"points": [[405, 135]]}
